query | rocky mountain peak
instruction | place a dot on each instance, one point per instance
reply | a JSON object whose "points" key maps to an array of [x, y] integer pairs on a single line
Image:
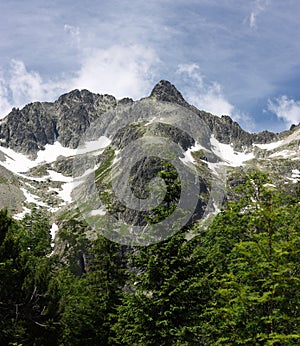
{"points": [[29, 129], [166, 91], [65, 122]]}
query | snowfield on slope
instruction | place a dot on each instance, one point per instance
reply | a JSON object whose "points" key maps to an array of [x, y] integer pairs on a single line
{"points": [[20, 163], [295, 136], [228, 155], [188, 153]]}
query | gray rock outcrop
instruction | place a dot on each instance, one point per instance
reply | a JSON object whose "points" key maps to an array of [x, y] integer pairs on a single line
{"points": [[28, 130]]}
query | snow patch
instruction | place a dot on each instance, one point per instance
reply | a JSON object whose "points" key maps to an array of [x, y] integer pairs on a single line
{"points": [[228, 155], [53, 231], [92, 146], [268, 146], [188, 157], [66, 193], [55, 189], [117, 158], [151, 121], [36, 179], [98, 212], [30, 198], [21, 215], [283, 153], [52, 152], [295, 176], [88, 172], [18, 163], [29, 185], [269, 185], [55, 176]]}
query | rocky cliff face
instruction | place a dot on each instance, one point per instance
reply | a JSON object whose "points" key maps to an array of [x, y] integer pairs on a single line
{"points": [[214, 157], [65, 121], [224, 128], [10, 195], [28, 130], [31, 128]]}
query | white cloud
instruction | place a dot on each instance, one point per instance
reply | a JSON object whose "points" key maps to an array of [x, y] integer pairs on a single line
{"points": [[74, 32], [26, 85], [192, 70], [119, 70], [212, 100], [20, 86], [5, 105], [202, 94], [209, 96], [259, 7], [123, 71], [286, 109]]}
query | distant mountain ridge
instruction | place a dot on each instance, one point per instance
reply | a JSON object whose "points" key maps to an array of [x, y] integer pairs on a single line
{"points": [[39, 145], [28, 130]]}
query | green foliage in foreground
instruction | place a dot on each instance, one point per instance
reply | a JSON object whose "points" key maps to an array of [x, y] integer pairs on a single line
{"points": [[255, 253], [236, 283], [28, 310]]}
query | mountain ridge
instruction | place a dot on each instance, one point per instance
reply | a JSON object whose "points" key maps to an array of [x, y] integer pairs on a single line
{"points": [[66, 119], [39, 143]]}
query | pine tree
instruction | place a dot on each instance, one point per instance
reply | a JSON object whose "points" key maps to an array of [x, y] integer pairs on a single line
{"points": [[25, 273], [257, 286], [89, 302], [166, 293]]}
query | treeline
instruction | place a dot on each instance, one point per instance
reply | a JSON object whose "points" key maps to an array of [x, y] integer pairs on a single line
{"points": [[235, 283]]}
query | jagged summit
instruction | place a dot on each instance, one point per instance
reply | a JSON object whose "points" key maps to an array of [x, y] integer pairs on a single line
{"points": [[43, 129], [37, 124], [166, 91], [28, 130]]}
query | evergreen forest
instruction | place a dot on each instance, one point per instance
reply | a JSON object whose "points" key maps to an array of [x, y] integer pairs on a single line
{"points": [[235, 282]]}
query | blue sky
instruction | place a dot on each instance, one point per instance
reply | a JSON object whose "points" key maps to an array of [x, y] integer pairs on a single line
{"points": [[234, 57]]}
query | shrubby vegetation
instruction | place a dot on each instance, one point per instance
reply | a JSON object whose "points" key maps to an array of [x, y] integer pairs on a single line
{"points": [[235, 283]]}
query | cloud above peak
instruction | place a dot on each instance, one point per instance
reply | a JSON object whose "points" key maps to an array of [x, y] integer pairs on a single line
{"points": [[209, 95], [203, 94], [241, 55], [122, 71], [19, 86], [118, 70]]}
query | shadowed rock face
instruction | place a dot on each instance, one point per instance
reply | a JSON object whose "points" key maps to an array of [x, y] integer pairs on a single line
{"points": [[126, 121], [37, 124], [224, 128], [165, 91], [29, 129], [10, 195]]}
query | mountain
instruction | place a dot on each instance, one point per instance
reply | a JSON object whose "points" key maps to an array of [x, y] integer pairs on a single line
{"points": [[73, 156]]}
